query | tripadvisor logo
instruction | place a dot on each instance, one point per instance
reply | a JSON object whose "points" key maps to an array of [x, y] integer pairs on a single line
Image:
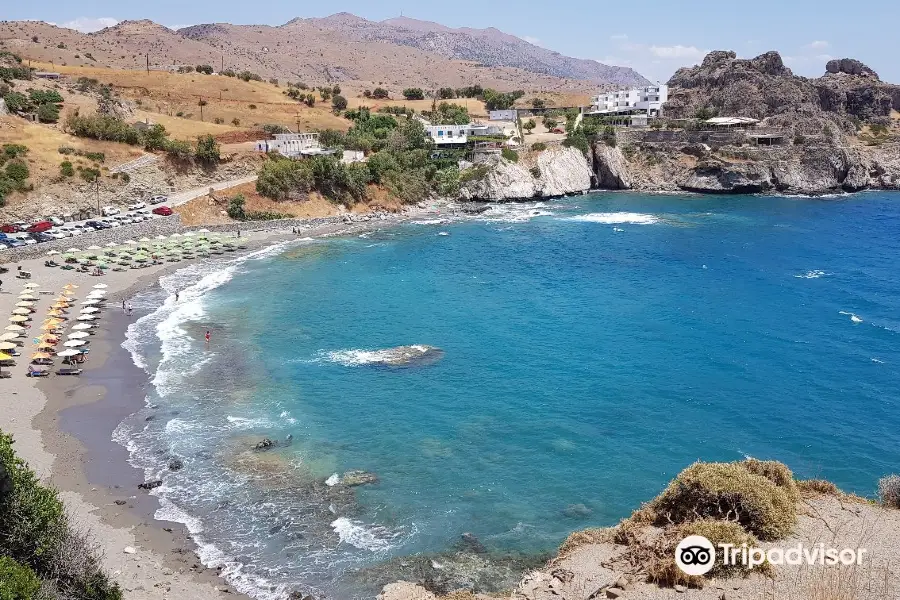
{"points": [[696, 555]]}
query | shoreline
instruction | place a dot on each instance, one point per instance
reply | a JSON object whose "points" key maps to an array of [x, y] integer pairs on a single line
{"points": [[55, 427]]}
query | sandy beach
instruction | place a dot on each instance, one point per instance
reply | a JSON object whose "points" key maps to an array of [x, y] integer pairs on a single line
{"points": [[62, 426]]}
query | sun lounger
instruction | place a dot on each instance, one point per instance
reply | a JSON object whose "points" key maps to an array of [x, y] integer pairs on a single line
{"points": [[32, 372], [5, 375], [68, 371], [7, 363]]}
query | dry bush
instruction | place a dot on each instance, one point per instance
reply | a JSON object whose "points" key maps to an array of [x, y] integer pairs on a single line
{"points": [[776, 472], [584, 537], [889, 491], [839, 583], [818, 486], [728, 492]]}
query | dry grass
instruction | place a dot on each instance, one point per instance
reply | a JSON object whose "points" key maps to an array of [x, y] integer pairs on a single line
{"points": [[818, 487], [162, 95], [730, 492], [839, 583], [585, 537]]}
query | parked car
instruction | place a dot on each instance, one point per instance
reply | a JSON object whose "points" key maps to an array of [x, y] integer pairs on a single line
{"points": [[13, 243], [98, 225], [108, 211], [111, 223], [40, 227], [137, 206], [57, 222], [163, 211], [56, 234], [42, 237], [158, 199], [10, 228]]}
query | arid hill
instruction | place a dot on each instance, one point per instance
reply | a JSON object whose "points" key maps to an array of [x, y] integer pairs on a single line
{"points": [[341, 48]]}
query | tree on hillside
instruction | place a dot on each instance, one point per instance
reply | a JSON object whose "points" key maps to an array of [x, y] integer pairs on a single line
{"points": [[529, 125], [414, 94], [205, 69], [550, 123], [336, 90], [446, 93], [310, 100], [339, 103], [380, 93], [207, 151], [537, 103]]}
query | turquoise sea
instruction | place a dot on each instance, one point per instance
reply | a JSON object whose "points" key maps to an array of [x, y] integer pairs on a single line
{"points": [[592, 348]]}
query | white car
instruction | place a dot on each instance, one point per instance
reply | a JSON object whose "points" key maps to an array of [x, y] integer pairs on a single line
{"points": [[111, 222], [57, 222], [158, 199], [108, 211], [56, 234], [137, 206]]}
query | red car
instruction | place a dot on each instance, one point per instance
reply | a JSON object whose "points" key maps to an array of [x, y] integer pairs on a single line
{"points": [[163, 211], [40, 227], [8, 228]]}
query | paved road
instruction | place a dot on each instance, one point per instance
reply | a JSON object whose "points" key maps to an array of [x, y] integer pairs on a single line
{"points": [[188, 195]]}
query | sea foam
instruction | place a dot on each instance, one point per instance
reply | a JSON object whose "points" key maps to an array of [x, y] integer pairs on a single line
{"points": [[615, 218]]}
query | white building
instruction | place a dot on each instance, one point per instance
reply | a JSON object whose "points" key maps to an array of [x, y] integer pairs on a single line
{"points": [[292, 144], [647, 100], [503, 115], [443, 135]]}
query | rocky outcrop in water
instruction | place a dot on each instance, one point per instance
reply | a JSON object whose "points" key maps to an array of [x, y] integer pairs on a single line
{"points": [[356, 478], [404, 356], [546, 174]]}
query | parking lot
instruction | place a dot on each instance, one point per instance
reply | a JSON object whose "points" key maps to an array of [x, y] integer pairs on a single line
{"points": [[21, 234]]}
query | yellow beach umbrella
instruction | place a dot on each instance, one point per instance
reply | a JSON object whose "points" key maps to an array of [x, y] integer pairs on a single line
{"points": [[53, 320], [18, 319], [54, 313], [39, 355], [46, 336], [7, 346], [70, 286], [5, 356], [68, 292], [49, 327], [45, 346]]}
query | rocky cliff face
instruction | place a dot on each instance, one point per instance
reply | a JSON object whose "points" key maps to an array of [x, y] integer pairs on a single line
{"points": [[763, 87], [815, 169], [553, 172]]}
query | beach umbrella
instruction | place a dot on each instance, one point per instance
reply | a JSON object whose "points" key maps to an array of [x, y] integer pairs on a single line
{"points": [[53, 253], [69, 352], [91, 301], [21, 311], [82, 326], [18, 319], [175, 235], [78, 335], [131, 242], [144, 239], [71, 250], [70, 286], [68, 292], [31, 285], [100, 286], [89, 310], [45, 337], [10, 335], [53, 321], [5, 356], [14, 327], [25, 304], [189, 234], [7, 346], [160, 237], [111, 245], [87, 317], [40, 355], [45, 346], [26, 296], [74, 343], [68, 256], [94, 248]]}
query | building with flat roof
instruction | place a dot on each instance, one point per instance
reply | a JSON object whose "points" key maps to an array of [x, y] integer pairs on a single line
{"points": [[647, 100], [458, 135], [293, 144]]}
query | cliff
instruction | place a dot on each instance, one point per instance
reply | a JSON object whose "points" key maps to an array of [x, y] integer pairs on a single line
{"points": [[793, 169], [552, 172]]}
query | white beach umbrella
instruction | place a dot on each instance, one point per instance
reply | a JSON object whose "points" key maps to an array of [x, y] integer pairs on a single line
{"points": [[87, 317], [131, 242], [89, 310], [10, 335], [189, 234], [53, 253], [21, 311], [91, 301], [74, 343], [95, 247], [100, 286], [78, 335], [68, 352], [31, 285], [26, 296], [14, 328], [25, 304], [160, 237], [176, 234], [82, 326], [95, 293], [74, 250]]}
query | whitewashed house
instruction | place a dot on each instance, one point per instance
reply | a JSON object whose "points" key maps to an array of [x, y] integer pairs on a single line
{"points": [[446, 135], [292, 144], [647, 100]]}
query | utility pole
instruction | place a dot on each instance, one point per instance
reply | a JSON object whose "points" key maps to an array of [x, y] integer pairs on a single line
{"points": [[97, 192], [298, 122], [223, 64], [148, 63], [200, 103]]}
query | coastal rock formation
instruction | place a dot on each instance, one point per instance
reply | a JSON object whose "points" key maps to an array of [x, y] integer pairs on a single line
{"points": [[401, 356], [355, 478], [553, 172], [611, 168]]}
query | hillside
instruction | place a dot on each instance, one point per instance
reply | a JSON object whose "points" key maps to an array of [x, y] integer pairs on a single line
{"points": [[344, 49]]}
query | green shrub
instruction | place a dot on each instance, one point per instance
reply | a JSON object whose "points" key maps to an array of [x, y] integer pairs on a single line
{"points": [[236, 208], [89, 174], [14, 151], [48, 113], [66, 169], [474, 174], [509, 154], [728, 491], [17, 170], [339, 103], [16, 102], [535, 172], [179, 150], [45, 97], [125, 178], [414, 94], [236, 122], [218, 120], [539, 146], [207, 152], [17, 582], [66, 150], [889, 491]]}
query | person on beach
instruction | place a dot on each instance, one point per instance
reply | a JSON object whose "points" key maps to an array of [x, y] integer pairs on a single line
{"points": [[128, 309], [207, 337], [176, 296], [123, 305]]}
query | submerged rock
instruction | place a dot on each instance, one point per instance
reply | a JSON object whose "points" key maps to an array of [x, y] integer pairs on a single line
{"points": [[577, 511], [176, 464], [406, 356], [470, 542], [149, 485], [355, 478], [265, 444]]}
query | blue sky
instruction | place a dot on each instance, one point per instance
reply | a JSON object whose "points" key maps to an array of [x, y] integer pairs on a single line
{"points": [[653, 37]]}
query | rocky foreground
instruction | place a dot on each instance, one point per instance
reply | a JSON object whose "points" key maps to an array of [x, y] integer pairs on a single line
{"points": [[753, 502]]}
